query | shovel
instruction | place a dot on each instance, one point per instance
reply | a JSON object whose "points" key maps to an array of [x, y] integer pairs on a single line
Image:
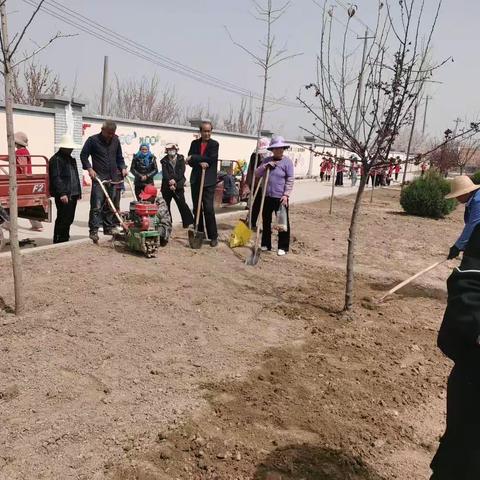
{"points": [[195, 238], [111, 205], [410, 279], [242, 232], [255, 255]]}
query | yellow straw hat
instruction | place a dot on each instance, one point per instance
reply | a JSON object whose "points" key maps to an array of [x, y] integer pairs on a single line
{"points": [[461, 185]]}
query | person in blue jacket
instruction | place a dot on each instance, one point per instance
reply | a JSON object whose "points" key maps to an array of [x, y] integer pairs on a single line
{"points": [[465, 191]]}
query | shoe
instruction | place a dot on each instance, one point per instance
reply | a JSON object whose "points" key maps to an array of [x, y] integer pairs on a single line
{"points": [[214, 242], [264, 249], [281, 252], [94, 237], [163, 242]]}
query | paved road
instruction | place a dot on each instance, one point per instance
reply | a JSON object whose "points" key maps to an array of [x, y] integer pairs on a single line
{"points": [[304, 191]]}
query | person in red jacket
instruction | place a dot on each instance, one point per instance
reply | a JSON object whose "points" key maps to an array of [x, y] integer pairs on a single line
{"points": [[24, 166], [397, 170]]}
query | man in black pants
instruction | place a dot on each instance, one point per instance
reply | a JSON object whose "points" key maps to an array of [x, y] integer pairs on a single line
{"points": [[109, 166], [203, 155], [173, 182], [64, 187]]}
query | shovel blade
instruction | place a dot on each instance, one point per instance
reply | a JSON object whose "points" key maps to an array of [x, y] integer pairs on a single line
{"points": [[195, 239], [252, 260]]}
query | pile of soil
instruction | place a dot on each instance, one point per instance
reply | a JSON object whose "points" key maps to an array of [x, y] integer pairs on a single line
{"points": [[195, 366]]}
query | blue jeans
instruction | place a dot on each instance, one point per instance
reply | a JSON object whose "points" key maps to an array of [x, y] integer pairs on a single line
{"points": [[100, 211]]}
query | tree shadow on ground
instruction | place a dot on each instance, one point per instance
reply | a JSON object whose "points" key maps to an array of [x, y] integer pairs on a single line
{"points": [[5, 307], [309, 462]]}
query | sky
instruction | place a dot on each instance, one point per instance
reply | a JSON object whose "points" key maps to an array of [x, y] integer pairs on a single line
{"points": [[194, 33]]}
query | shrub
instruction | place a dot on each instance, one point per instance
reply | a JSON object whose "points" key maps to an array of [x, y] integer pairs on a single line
{"points": [[476, 178], [425, 197]]}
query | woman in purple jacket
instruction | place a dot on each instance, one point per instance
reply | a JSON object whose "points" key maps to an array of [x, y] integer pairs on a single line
{"points": [[280, 186]]}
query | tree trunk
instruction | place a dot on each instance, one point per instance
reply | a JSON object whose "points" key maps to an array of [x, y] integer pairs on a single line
{"points": [[352, 237], [461, 169], [12, 165]]}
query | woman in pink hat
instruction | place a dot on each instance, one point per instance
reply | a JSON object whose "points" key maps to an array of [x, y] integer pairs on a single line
{"points": [[279, 189]]}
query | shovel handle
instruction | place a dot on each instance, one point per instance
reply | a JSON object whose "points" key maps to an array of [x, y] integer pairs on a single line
{"points": [[411, 279], [110, 203], [264, 193], [200, 198], [129, 181]]}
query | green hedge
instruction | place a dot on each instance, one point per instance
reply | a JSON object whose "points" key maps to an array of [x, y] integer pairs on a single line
{"points": [[476, 178], [425, 197]]}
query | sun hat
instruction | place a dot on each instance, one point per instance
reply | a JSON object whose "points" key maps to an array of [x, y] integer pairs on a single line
{"points": [[66, 141], [278, 142], [21, 139], [461, 185], [171, 146], [148, 192], [262, 145]]}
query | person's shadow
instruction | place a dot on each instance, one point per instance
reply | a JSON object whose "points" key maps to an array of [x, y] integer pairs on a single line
{"points": [[310, 462]]}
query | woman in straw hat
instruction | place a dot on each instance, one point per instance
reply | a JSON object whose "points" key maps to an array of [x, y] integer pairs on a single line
{"points": [[65, 187], [279, 188], [465, 191], [458, 455]]}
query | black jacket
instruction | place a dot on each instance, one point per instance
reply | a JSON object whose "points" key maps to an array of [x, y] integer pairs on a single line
{"points": [[64, 178], [170, 173], [138, 168], [459, 334], [210, 157]]}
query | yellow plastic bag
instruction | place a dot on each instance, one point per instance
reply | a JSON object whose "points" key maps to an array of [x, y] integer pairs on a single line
{"points": [[241, 235]]}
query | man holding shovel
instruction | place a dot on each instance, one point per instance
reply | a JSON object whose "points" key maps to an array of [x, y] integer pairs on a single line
{"points": [[203, 156], [108, 165]]}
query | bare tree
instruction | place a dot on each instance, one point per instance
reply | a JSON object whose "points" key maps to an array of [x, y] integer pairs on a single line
{"points": [[35, 80], [401, 142], [241, 120], [468, 150], [202, 112], [271, 56], [8, 63], [142, 99], [366, 119]]}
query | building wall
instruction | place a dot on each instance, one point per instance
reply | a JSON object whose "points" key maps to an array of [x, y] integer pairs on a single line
{"points": [[38, 124]]}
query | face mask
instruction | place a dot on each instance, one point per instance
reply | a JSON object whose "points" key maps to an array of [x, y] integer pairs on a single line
{"points": [[171, 153]]}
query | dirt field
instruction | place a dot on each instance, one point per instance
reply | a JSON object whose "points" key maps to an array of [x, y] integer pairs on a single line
{"points": [[194, 366]]}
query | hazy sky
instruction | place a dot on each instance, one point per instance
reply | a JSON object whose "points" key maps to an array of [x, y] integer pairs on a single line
{"points": [[193, 32]]}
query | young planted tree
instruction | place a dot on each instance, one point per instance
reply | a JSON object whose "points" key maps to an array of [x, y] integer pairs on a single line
{"points": [[365, 116], [268, 13], [8, 64]]}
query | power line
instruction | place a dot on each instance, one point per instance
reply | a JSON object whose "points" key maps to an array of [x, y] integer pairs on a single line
{"points": [[127, 45]]}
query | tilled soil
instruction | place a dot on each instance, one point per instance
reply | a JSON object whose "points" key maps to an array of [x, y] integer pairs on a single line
{"points": [[195, 366]]}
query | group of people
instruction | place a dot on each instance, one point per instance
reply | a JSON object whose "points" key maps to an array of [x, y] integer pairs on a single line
{"points": [[379, 176], [102, 157]]}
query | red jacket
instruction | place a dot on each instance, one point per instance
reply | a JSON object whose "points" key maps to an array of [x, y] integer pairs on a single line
{"points": [[24, 161]]}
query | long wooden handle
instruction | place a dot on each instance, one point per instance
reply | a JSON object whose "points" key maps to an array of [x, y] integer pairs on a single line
{"points": [[260, 213], [112, 206], [411, 279], [129, 181], [200, 197]]}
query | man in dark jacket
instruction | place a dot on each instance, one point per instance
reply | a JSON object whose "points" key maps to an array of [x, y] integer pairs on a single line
{"points": [[109, 166], [458, 455], [203, 155], [64, 187], [173, 182]]}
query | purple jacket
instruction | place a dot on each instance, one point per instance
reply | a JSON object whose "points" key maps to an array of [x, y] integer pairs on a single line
{"points": [[281, 178]]}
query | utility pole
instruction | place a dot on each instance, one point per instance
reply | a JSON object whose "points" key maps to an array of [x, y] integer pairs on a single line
{"points": [[105, 83], [427, 99], [410, 140], [360, 81], [456, 122]]}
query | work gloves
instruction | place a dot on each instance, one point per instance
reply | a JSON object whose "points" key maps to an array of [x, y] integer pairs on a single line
{"points": [[453, 253]]}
